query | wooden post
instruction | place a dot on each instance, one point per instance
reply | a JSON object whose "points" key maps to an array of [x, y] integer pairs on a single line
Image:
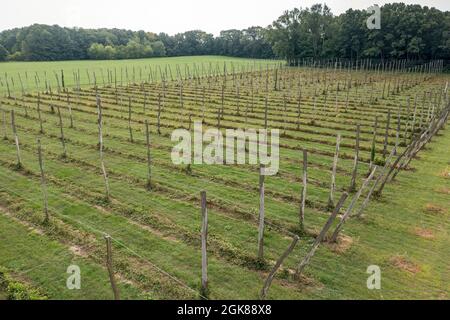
{"points": [[16, 139], [372, 189], [265, 111], [149, 161], [397, 134], [129, 120], [386, 134], [277, 265], [43, 184], [374, 140], [299, 109], [100, 143], [41, 128], [261, 216], [407, 120], [203, 104], [356, 160], [64, 154], [352, 204], [62, 80], [276, 79], [7, 87], [222, 101], [109, 266], [303, 195], [5, 132], [158, 120], [204, 244], [218, 118], [24, 105], [333, 173], [238, 99], [321, 235]]}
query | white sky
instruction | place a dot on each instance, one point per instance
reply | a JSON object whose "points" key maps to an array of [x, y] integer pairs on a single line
{"points": [[170, 16]]}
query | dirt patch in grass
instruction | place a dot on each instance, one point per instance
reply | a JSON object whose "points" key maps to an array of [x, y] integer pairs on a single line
{"points": [[303, 282], [401, 262], [443, 296], [434, 209], [443, 190], [342, 244], [287, 278], [424, 233], [445, 173], [78, 251]]}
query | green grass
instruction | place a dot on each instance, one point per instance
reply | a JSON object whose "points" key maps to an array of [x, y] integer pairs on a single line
{"points": [[159, 229], [42, 263], [391, 229], [28, 70]]}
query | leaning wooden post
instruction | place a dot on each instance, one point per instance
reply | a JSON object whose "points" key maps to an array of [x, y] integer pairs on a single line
{"points": [[204, 291], [16, 140], [280, 260], [356, 160], [64, 154], [261, 216], [333, 173], [303, 195], [352, 204], [375, 184], [321, 235], [109, 266], [43, 184], [100, 143], [149, 159]]}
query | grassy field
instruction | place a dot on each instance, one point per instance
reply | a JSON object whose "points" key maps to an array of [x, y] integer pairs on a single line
{"points": [[156, 233], [29, 72]]}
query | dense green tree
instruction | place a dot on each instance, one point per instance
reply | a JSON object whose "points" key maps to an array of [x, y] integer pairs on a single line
{"points": [[98, 51], [158, 49], [407, 32], [3, 53]]}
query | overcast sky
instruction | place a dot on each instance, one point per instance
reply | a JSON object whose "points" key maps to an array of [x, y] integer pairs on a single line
{"points": [[170, 16]]}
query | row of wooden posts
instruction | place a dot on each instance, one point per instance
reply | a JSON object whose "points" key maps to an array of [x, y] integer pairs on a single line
{"points": [[418, 141], [347, 82], [336, 155], [392, 66], [401, 162], [331, 197]]}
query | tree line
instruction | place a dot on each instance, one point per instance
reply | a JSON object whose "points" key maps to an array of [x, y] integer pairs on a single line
{"points": [[407, 32]]}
